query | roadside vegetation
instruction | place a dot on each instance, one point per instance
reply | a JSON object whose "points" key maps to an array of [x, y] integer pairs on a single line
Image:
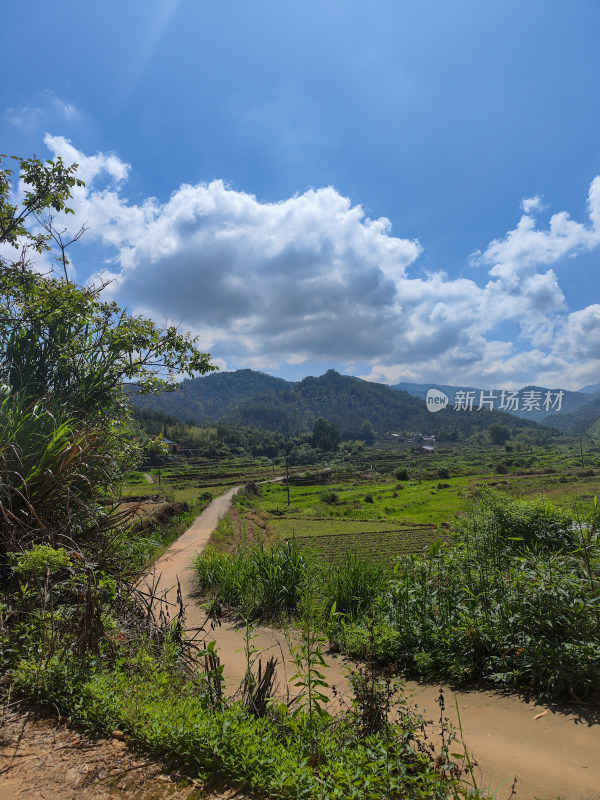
{"points": [[506, 591], [78, 632]]}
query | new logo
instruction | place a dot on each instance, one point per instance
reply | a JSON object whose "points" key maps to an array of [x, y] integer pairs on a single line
{"points": [[436, 400]]}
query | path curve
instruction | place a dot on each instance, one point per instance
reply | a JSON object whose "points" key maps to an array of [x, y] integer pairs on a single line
{"points": [[554, 751]]}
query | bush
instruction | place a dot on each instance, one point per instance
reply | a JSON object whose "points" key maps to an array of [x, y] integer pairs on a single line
{"points": [[510, 603], [331, 498], [40, 560]]}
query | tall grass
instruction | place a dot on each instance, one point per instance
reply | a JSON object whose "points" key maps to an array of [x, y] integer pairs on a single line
{"points": [[268, 581], [517, 610], [272, 581], [353, 585]]}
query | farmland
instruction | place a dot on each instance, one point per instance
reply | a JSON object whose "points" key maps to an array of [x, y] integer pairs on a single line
{"points": [[377, 546], [358, 506], [467, 575]]}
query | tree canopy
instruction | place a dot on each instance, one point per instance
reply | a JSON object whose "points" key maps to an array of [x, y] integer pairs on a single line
{"points": [[325, 435], [65, 357]]}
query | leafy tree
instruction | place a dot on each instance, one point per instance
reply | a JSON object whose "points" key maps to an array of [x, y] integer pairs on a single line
{"points": [[325, 435], [348, 449], [499, 434], [65, 355], [366, 432], [302, 454], [157, 447], [47, 187]]}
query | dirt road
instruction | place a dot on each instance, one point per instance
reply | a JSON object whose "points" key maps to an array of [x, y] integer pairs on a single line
{"points": [[554, 751]]}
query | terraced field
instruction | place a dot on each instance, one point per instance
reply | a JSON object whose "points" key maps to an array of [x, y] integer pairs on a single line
{"points": [[370, 540], [427, 502]]}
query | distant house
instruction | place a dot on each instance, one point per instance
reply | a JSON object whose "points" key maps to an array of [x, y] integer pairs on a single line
{"points": [[426, 449], [173, 446]]}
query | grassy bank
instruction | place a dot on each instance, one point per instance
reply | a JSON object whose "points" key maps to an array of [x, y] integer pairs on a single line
{"points": [[510, 596]]}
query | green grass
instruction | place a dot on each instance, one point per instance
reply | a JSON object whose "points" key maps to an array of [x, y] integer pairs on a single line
{"points": [[409, 503], [142, 490]]}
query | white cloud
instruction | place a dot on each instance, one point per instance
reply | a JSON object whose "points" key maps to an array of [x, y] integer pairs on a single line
{"points": [[532, 204], [44, 108], [525, 249], [90, 167], [579, 334], [312, 279]]}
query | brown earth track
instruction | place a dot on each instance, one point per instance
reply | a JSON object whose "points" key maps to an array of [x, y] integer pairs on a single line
{"points": [[42, 758], [554, 751]]}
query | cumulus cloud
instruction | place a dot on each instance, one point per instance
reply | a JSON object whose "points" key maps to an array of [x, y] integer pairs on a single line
{"points": [[579, 334], [311, 278], [531, 204], [526, 248], [89, 167]]}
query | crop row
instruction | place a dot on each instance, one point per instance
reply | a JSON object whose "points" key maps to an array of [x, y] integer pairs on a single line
{"points": [[377, 546], [299, 527]]}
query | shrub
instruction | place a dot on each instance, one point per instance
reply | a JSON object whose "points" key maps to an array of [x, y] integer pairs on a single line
{"points": [[331, 498], [510, 603], [40, 560]]}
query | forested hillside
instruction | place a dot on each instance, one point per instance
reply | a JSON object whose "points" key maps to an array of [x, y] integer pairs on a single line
{"points": [[580, 420], [252, 398]]}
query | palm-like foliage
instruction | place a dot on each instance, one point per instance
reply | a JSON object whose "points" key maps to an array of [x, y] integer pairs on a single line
{"points": [[51, 467]]}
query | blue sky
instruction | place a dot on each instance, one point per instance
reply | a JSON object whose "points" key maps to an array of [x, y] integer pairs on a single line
{"points": [[398, 190]]}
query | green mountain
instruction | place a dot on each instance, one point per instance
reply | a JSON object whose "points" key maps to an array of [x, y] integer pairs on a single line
{"points": [[213, 397], [585, 419], [256, 399]]}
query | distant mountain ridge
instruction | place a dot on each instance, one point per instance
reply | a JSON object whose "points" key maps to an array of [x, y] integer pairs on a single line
{"points": [[255, 398], [593, 388], [577, 409]]}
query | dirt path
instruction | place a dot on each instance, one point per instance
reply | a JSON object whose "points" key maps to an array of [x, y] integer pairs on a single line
{"points": [[554, 751], [43, 758]]}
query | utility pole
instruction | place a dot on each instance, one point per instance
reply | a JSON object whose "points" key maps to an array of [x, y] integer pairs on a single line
{"points": [[287, 480], [581, 451]]}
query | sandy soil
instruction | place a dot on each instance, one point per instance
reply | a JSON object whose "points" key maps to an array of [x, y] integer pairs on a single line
{"points": [[553, 751], [42, 758]]}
